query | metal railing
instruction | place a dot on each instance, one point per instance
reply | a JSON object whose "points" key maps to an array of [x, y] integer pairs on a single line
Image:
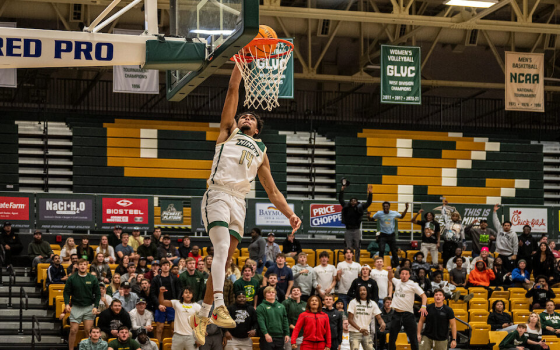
{"points": [[466, 338], [35, 332], [11, 282], [22, 294]]}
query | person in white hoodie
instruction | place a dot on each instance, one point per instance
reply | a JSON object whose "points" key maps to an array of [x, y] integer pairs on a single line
{"points": [[305, 277], [507, 242]]}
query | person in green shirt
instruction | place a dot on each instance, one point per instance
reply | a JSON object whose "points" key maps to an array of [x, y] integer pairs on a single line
{"points": [[39, 251], [124, 341], [247, 284], [83, 288], [273, 322], [294, 307], [550, 320], [515, 340], [193, 278]]}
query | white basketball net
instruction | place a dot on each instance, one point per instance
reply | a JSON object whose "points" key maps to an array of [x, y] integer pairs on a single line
{"points": [[263, 76]]}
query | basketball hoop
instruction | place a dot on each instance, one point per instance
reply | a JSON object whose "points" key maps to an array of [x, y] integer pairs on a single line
{"points": [[262, 63]]}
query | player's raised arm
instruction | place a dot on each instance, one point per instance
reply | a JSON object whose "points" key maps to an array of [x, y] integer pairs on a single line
{"points": [[227, 123], [275, 196]]}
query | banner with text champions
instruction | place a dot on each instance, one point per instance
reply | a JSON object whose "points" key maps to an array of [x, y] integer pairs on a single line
{"points": [[323, 217], [17, 209], [524, 82], [400, 75], [65, 211], [127, 212]]}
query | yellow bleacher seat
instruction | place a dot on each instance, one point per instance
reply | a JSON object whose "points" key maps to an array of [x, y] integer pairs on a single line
{"points": [[458, 305], [241, 261], [236, 253], [318, 260], [55, 247], [521, 316], [167, 340], [94, 247], [462, 290], [517, 293], [204, 251], [463, 316], [478, 316], [311, 259], [387, 260], [492, 300], [480, 334], [290, 262], [500, 294], [556, 301], [479, 293], [551, 340], [245, 252], [58, 306], [478, 304], [430, 301], [556, 290], [55, 290], [167, 346], [40, 275], [368, 261], [401, 338], [519, 304], [410, 254], [467, 253], [496, 337]]}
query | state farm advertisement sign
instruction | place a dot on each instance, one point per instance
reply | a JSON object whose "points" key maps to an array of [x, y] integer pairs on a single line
{"points": [[537, 218], [17, 210], [126, 212], [326, 215]]}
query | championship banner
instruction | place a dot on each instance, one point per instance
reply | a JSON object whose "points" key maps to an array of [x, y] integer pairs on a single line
{"points": [[65, 211], [8, 76], [264, 215], [287, 79], [133, 79], [171, 211], [17, 209], [537, 218], [400, 75], [127, 212], [524, 82], [323, 217]]}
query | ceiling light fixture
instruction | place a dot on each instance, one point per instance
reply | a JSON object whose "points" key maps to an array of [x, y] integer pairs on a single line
{"points": [[471, 3]]}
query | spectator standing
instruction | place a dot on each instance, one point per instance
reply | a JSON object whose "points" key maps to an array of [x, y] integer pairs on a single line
{"points": [[498, 319], [380, 275], [68, 249], [352, 213], [127, 298], [183, 336], [550, 320], [528, 247], [245, 316], [247, 284], [193, 279], [141, 319], [294, 307], [515, 340], [315, 326], [135, 240], [272, 282], [335, 321], [115, 236], [507, 242], [361, 312], [364, 280], [453, 234], [271, 250], [84, 251], [56, 273], [543, 262], [273, 322], [326, 275], [107, 250], [147, 249], [39, 251], [185, 249], [540, 293], [124, 249], [481, 237], [347, 272], [430, 235], [173, 290], [167, 251], [484, 256], [440, 317], [403, 303], [305, 277], [124, 341], [94, 342], [105, 300], [10, 241], [257, 249], [386, 219], [291, 246], [83, 288], [387, 316], [283, 272], [102, 269]]}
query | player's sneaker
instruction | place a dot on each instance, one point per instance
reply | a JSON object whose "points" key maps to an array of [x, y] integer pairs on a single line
{"points": [[221, 318], [199, 324]]}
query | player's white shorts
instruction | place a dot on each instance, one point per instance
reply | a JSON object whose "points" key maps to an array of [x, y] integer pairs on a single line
{"points": [[223, 209]]}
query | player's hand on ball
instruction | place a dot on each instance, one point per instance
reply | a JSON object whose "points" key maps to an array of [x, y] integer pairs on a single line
{"points": [[295, 222]]}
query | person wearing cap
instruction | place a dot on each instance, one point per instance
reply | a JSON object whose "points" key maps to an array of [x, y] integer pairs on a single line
{"points": [[481, 236], [141, 319], [124, 341], [173, 291], [364, 280], [193, 279], [167, 251], [185, 249], [115, 236], [39, 251], [271, 250], [10, 241], [105, 299], [147, 249], [84, 251], [326, 275], [484, 256], [135, 240], [124, 249], [305, 277], [245, 316], [127, 298]]}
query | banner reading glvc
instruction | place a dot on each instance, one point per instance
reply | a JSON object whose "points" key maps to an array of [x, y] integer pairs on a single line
{"points": [[524, 82], [287, 79], [400, 75]]}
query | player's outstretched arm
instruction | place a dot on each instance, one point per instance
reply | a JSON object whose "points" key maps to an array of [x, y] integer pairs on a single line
{"points": [[227, 123], [275, 196]]}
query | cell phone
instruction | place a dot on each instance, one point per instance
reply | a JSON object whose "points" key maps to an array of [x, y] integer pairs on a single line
{"points": [[543, 340]]}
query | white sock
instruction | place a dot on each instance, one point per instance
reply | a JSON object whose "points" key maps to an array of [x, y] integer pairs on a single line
{"points": [[220, 238], [218, 300], [204, 310]]}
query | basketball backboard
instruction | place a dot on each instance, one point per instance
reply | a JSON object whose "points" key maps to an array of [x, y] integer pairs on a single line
{"points": [[225, 26]]}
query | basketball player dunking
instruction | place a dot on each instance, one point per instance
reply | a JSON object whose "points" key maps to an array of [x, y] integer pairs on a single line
{"points": [[237, 161]]}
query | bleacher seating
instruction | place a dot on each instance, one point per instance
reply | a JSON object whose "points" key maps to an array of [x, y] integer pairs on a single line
{"points": [[9, 150]]}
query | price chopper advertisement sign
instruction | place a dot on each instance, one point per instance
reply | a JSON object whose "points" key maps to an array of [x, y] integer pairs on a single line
{"points": [[287, 79], [127, 212], [17, 209], [324, 217], [171, 211], [400, 75], [524, 82], [65, 212]]}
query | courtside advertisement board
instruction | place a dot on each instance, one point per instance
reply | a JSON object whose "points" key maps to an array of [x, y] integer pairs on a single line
{"points": [[324, 217], [17, 209], [268, 218], [127, 212], [537, 218], [524, 82], [65, 211], [400, 75]]}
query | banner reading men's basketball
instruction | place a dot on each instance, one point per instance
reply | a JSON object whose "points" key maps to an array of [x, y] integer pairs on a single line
{"points": [[524, 82], [400, 75]]}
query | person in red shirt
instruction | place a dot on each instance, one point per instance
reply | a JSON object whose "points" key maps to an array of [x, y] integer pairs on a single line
{"points": [[195, 253], [481, 276], [316, 327]]}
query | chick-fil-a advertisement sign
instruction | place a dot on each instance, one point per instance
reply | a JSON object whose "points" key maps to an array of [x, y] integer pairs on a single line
{"points": [[537, 218]]}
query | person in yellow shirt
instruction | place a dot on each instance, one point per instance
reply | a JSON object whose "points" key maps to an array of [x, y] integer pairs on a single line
{"points": [[135, 240]]}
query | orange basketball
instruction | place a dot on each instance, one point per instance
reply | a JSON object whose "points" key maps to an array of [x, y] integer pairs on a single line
{"points": [[263, 50]]}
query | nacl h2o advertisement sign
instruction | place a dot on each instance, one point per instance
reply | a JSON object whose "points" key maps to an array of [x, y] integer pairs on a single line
{"points": [[127, 212], [17, 209], [65, 211], [400, 75], [537, 218]]}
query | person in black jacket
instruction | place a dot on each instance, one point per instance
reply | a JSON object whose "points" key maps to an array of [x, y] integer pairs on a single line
{"points": [[10, 241], [364, 280], [112, 318], [527, 248], [84, 251], [185, 249], [245, 317], [544, 262], [335, 320], [291, 246], [500, 320], [173, 287], [387, 315], [540, 293], [352, 213], [424, 282], [56, 273]]}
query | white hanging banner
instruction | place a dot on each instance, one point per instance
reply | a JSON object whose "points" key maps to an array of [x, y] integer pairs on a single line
{"points": [[8, 76], [133, 79], [524, 82]]}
